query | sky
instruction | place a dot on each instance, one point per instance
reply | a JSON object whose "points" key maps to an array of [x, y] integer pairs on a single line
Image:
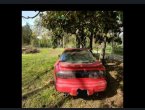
{"points": [[30, 14]]}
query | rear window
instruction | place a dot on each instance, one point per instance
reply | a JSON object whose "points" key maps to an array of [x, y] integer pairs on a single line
{"points": [[77, 56]]}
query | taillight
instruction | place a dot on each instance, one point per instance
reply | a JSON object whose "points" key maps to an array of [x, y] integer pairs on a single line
{"points": [[65, 74], [80, 74], [97, 74], [102, 73]]}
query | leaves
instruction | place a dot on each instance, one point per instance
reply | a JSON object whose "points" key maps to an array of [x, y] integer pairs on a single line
{"points": [[89, 24], [26, 34]]}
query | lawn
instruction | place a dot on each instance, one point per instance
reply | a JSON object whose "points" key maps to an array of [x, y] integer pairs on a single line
{"points": [[37, 71], [38, 92]]}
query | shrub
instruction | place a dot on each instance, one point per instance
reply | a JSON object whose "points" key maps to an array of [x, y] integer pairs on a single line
{"points": [[118, 50]]}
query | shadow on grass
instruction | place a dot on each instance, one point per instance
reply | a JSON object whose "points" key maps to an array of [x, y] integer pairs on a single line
{"points": [[60, 102], [112, 86], [37, 77], [25, 96]]}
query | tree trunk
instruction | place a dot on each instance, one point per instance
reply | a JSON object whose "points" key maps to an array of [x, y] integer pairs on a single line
{"points": [[22, 42], [102, 54], [77, 41], [112, 46], [63, 41], [81, 46], [91, 41], [80, 39]]}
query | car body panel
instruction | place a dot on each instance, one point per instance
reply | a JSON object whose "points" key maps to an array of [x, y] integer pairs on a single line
{"points": [[72, 85]]}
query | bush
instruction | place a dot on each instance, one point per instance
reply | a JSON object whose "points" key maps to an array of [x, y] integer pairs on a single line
{"points": [[118, 50]]}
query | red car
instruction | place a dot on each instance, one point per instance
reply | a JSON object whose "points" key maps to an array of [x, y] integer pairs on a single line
{"points": [[76, 70]]}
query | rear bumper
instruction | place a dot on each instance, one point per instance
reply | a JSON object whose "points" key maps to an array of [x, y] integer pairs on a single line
{"points": [[72, 85]]}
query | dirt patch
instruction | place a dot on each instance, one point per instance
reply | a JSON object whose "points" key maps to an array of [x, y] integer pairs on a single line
{"points": [[114, 102]]}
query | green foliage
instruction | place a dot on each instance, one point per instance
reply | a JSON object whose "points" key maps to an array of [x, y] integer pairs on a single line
{"points": [[69, 22], [118, 50], [69, 40], [44, 43], [108, 48], [82, 23], [108, 21], [26, 34], [101, 26]]}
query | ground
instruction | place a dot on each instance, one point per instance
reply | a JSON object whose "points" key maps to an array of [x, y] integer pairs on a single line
{"points": [[38, 88]]}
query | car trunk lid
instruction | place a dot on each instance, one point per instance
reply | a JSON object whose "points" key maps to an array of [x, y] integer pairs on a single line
{"points": [[78, 66]]}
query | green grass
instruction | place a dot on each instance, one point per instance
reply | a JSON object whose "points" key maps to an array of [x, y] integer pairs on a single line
{"points": [[37, 69], [118, 50]]}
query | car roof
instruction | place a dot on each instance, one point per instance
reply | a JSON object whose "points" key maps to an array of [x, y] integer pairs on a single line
{"points": [[74, 49]]}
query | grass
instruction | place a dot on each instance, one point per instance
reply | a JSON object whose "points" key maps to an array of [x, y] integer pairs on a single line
{"points": [[37, 92], [37, 69]]}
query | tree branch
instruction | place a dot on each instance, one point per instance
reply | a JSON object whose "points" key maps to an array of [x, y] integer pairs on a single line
{"points": [[67, 13], [28, 17]]}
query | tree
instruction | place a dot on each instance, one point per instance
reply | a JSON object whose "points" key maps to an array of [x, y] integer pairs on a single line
{"points": [[74, 22], [84, 24], [26, 34], [42, 35], [107, 21]]}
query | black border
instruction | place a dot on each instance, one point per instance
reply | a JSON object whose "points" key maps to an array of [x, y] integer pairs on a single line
{"points": [[72, 2], [10, 75]]}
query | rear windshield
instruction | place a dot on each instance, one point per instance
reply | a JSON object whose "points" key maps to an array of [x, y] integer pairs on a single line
{"points": [[77, 56]]}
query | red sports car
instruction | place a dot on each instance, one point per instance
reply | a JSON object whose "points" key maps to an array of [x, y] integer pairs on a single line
{"points": [[77, 69]]}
